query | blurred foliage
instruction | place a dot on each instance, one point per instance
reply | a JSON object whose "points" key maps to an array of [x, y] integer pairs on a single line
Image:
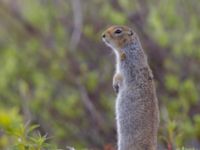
{"points": [[56, 72], [16, 136]]}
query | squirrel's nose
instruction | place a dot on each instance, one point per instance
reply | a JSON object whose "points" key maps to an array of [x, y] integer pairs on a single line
{"points": [[103, 35]]}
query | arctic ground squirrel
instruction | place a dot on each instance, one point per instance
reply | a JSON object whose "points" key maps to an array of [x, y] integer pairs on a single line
{"points": [[137, 112]]}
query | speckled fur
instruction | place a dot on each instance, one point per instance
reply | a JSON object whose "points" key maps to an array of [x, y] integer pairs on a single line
{"points": [[136, 105], [137, 111]]}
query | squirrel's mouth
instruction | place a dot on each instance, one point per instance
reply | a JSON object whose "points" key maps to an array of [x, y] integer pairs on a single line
{"points": [[106, 42]]}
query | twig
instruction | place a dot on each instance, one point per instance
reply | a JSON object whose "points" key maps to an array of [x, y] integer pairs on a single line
{"points": [[90, 107], [78, 23]]}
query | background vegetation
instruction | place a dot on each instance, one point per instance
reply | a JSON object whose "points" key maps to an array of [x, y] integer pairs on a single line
{"points": [[56, 72]]}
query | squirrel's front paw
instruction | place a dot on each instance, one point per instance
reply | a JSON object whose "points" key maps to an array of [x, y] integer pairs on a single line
{"points": [[116, 88], [117, 82]]}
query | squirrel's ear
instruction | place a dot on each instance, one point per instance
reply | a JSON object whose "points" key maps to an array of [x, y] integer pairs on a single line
{"points": [[130, 33]]}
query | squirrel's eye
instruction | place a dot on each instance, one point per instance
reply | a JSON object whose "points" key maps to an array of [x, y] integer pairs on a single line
{"points": [[118, 31]]}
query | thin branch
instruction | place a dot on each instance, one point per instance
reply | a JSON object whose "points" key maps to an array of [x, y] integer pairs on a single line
{"points": [[78, 23], [96, 116]]}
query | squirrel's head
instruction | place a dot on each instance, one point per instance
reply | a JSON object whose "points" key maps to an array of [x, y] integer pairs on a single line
{"points": [[117, 37]]}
